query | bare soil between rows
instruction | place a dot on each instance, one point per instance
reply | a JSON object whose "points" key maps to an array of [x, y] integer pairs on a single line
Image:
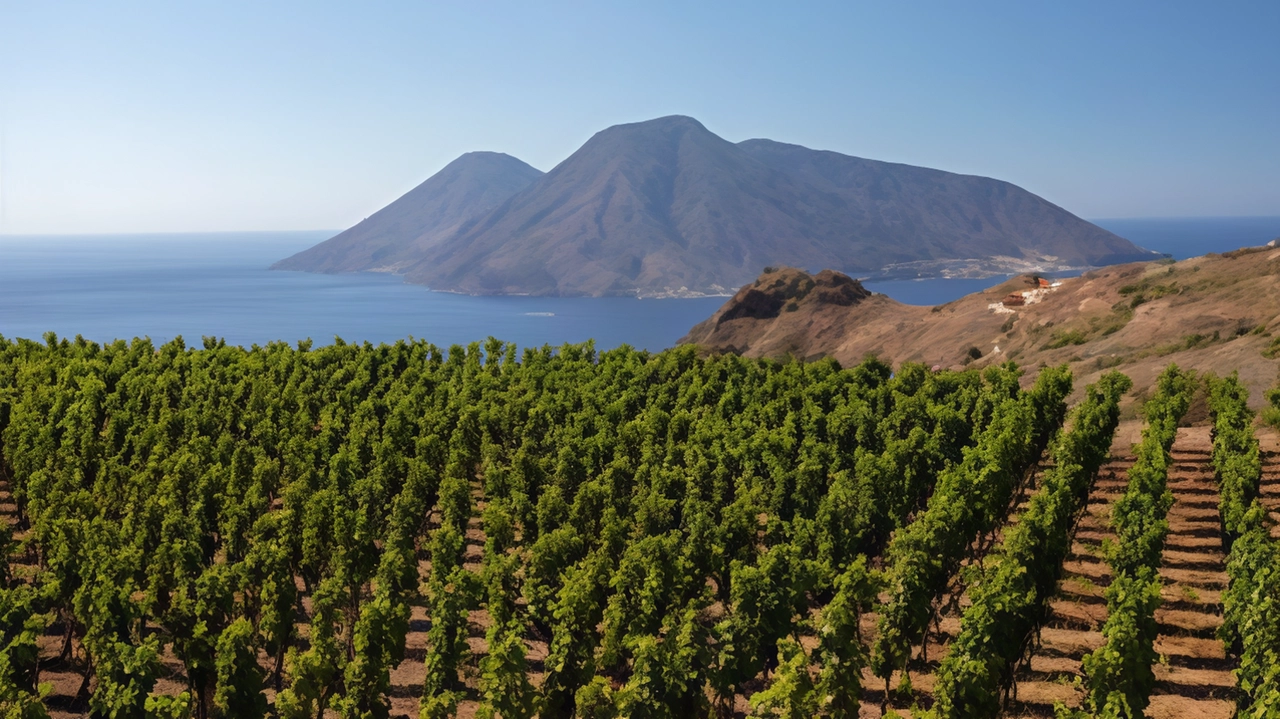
{"points": [[1194, 675]]}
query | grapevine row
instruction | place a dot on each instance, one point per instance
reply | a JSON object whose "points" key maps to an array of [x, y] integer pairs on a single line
{"points": [[1251, 620], [969, 501], [1011, 599], [668, 525], [1119, 674]]}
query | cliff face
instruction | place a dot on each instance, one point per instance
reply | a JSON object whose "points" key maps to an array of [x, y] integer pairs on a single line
{"points": [[667, 207], [1218, 313]]}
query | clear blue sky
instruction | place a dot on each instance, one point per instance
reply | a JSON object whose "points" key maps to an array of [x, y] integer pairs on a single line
{"points": [[202, 115]]}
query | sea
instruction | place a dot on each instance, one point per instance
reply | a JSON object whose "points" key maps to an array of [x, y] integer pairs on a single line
{"points": [[193, 285]]}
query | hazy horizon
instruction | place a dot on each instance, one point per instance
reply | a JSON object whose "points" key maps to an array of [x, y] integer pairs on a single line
{"points": [[336, 230]]}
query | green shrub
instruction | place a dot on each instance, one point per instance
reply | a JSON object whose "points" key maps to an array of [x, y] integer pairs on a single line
{"points": [[1271, 413], [1273, 350], [1063, 339]]}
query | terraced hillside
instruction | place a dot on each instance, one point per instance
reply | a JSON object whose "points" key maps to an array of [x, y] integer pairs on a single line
{"points": [[1194, 674], [392, 532]]}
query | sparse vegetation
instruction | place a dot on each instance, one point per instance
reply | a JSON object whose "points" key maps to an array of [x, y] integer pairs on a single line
{"points": [[1107, 362], [1188, 342], [1120, 315], [1245, 251], [1193, 341], [1145, 291], [796, 288], [1271, 413], [1065, 338], [1273, 350]]}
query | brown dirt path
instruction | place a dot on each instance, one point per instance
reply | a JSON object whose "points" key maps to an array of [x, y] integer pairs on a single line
{"points": [[1269, 443]]}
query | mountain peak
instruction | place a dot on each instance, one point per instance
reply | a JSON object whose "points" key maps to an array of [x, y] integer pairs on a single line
{"points": [[471, 185], [666, 122], [487, 156], [669, 128]]}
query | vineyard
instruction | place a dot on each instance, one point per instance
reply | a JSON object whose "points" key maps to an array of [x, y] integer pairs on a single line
{"points": [[399, 530]]}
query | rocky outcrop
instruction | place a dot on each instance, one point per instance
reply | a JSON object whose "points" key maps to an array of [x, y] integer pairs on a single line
{"points": [[787, 288]]}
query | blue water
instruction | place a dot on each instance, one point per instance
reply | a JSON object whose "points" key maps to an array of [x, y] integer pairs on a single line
{"points": [[1179, 237], [1194, 236], [194, 285], [161, 286], [931, 292]]}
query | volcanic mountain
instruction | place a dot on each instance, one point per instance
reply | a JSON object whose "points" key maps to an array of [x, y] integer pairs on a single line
{"points": [[666, 207], [399, 233]]}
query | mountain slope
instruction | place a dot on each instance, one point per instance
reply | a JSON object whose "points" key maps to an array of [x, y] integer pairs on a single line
{"points": [[399, 233], [1214, 313], [961, 215]]}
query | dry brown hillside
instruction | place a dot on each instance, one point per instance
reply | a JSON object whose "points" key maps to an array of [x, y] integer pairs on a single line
{"points": [[1214, 313]]}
